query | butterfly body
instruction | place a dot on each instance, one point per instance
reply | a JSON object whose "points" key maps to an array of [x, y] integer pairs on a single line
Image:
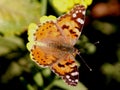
{"points": [[54, 44]]}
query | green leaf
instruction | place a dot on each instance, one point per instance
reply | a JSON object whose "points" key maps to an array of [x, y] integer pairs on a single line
{"points": [[13, 70], [16, 15], [85, 46], [8, 44], [46, 72], [43, 7], [111, 71], [104, 27], [60, 83], [30, 87], [38, 79]]}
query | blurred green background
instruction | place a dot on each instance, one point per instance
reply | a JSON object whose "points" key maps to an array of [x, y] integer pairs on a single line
{"points": [[19, 72]]}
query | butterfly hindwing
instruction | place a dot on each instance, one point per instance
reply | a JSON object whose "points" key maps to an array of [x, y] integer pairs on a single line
{"points": [[67, 69]]}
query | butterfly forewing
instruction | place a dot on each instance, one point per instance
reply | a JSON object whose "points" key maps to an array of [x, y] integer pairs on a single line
{"points": [[70, 25]]}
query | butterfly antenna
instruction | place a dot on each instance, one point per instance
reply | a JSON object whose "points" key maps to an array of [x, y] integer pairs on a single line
{"points": [[96, 42], [84, 62]]}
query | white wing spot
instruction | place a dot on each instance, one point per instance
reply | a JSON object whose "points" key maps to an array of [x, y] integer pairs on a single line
{"points": [[69, 79], [74, 73], [76, 12], [79, 20], [74, 15], [76, 80], [67, 76], [83, 12], [79, 10], [73, 81]]}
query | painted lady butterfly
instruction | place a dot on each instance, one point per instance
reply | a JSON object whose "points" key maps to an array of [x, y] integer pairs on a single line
{"points": [[54, 44]]}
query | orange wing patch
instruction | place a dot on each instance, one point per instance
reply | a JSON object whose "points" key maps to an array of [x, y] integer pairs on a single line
{"points": [[67, 69], [39, 56], [46, 31]]}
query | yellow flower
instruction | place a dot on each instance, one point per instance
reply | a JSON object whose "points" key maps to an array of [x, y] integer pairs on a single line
{"points": [[62, 5], [86, 3], [31, 29], [65, 5], [43, 19]]}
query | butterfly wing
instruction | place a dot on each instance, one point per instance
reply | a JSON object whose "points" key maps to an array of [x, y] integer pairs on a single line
{"points": [[47, 32], [70, 25], [42, 49], [67, 69]]}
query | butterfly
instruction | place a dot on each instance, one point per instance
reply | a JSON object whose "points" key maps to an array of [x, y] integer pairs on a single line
{"points": [[53, 44]]}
